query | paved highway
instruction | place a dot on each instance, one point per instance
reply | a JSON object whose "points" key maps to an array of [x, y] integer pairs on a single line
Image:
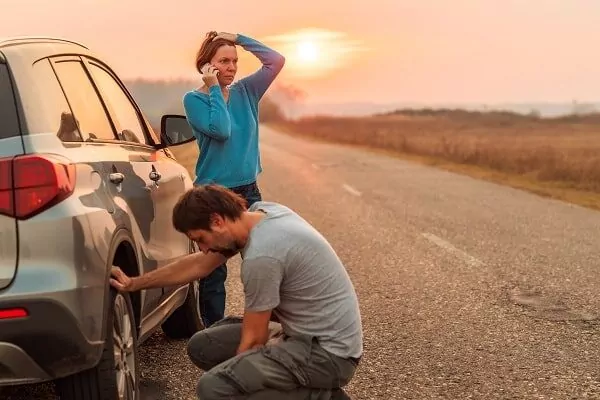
{"points": [[467, 289]]}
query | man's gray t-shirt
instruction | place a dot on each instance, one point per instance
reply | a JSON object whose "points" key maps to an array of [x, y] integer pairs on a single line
{"points": [[288, 266]]}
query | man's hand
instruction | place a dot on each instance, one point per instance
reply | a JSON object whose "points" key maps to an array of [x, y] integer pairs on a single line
{"points": [[232, 37], [209, 75], [121, 281], [255, 330]]}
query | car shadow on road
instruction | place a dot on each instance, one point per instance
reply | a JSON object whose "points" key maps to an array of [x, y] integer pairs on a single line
{"points": [[166, 374], [149, 390]]}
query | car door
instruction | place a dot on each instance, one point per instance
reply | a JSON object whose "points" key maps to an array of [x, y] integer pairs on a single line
{"points": [[163, 179], [131, 202]]}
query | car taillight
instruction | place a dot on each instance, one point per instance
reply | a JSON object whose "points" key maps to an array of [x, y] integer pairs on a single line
{"points": [[30, 184], [12, 313]]}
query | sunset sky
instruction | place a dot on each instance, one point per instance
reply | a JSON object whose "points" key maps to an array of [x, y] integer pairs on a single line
{"points": [[376, 50]]}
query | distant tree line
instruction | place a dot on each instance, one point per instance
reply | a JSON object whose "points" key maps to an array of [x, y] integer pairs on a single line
{"points": [[159, 97]]}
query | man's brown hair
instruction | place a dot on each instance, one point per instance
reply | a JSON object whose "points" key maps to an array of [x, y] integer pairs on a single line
{"points": [[196, 207], [209, 48]]}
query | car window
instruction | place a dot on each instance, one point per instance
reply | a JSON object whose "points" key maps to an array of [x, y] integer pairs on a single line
{"points": [[88, 111], [54, 112], [8, 111], [123, 113]]}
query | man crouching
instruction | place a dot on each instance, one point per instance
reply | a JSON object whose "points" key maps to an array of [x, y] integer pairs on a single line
{"points": [[290, 274]]}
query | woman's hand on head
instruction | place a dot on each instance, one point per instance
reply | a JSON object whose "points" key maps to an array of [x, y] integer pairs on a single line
{"points": [[209, 75], [232, 37]]}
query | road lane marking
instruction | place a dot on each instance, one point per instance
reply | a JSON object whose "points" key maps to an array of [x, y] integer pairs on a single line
{"points": [[351, 190], [469, 259]]}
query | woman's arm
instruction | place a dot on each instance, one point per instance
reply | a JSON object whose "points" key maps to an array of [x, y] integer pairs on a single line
{"points": [[272, 63], [212, 119]]}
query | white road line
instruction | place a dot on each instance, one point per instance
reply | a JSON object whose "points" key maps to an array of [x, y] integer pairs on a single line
{"points": [[351, 190], [469, 259]]}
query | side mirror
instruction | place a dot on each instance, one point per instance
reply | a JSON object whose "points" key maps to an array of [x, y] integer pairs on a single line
{"points": [[175, 130]]}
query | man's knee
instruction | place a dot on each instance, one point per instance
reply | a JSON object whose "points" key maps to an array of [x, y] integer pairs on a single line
{"points": [[212, 387], [216, 344], [196, 349]]}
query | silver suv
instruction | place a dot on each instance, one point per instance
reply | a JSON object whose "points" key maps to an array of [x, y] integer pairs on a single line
{"points": [[85, 184]]}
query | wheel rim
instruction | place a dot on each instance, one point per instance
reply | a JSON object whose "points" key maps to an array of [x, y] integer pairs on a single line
{"points": [[124, 350]]}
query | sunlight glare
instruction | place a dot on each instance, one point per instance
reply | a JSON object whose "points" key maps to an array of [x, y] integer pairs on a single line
{"points": [[313, 53], [308, 52]]}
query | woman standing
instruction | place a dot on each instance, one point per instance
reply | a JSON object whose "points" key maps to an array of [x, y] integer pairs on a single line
{"points": [[224, 118]]}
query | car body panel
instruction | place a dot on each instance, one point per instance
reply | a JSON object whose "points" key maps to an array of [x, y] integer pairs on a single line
{"points": [[58, 265]]}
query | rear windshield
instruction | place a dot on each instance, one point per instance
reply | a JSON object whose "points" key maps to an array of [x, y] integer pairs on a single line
{"points": [[9, 123]]}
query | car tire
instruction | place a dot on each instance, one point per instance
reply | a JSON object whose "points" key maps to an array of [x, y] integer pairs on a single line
{"points": [[114, 375], [186, 320]]}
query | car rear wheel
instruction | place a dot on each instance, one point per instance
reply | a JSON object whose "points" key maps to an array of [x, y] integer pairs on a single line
{"points": [[116, 377]]}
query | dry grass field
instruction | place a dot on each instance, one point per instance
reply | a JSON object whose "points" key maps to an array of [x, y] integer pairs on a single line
{"points": [[558, 157]]}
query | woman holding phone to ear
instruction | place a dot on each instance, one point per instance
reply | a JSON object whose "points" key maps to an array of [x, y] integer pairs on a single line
{"points": [[224, 118]]}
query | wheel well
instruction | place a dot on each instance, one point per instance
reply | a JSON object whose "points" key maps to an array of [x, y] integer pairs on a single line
{"points": [[126, 260]]}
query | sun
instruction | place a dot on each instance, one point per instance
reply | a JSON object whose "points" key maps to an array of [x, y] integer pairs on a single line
{"points": [[315, 53], [307, 52]]}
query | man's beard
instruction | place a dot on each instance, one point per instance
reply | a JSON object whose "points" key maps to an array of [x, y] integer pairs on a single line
{"points": [[228, 251]]}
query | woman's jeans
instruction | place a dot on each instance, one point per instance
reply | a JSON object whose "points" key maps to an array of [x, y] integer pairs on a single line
{"points": [[212, 288]]}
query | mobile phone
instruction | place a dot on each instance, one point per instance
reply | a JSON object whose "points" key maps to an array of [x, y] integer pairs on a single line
{"points": [[209, 64]]}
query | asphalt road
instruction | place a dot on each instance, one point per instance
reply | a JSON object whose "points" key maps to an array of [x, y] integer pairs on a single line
{"points": [[467, 289]]}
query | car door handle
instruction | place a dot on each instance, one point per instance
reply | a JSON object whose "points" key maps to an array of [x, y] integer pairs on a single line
{"points": [[155, 176], [116, 177]]}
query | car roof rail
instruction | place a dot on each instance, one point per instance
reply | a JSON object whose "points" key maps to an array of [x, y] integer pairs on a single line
{"points": [[32, 39]]}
